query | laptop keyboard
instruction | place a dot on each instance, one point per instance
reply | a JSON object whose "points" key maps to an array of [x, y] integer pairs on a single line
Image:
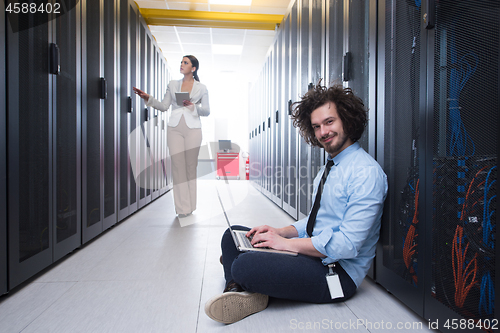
{"points": [[245, 241]]}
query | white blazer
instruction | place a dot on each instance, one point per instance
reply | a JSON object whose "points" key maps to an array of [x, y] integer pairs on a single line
{"points": [[198, 96]]}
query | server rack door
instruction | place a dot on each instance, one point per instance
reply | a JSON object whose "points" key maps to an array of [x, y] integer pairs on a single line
{"points": [[401, 241], [305, 173], [286, 123], [277, 116], [316, 67], [265, 141], [263, 111], [93, 119], [29, 147], [142, 129], [3, 162], [110, 113], [148, 126], [334, 41], [358, 52], [124, 109], [128, 109], [66, 158], [135, 118], [293, 172], [155, 178], [463, 79]]}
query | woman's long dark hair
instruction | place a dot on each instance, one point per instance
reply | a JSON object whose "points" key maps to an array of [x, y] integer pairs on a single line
{"points": [[196, 64]]}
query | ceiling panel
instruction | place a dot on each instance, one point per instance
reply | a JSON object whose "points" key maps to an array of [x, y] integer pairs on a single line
{"points": [[178, 41]]}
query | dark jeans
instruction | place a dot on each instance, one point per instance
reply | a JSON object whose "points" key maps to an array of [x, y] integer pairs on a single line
{"points": [[299, 278]]}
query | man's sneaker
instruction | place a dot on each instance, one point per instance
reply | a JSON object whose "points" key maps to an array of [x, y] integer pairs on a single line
{"points": [[230, 307]]}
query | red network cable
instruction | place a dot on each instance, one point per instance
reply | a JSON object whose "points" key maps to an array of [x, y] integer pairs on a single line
{"points": [[461, 276], [410, 246]]}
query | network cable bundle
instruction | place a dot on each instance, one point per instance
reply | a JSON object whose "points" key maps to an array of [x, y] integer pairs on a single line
{"points": [[465, 178], [408, 226], [464, 227]]}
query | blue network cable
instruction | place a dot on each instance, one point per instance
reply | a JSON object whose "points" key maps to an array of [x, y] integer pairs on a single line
{"points": [[487, 295], [460, 73], [487, 225]]}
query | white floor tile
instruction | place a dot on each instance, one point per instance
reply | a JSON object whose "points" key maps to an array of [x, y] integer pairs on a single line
{"points": [[154, 272]]}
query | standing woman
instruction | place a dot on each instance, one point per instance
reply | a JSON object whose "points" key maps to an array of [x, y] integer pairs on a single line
{"points": [[184, 131]]}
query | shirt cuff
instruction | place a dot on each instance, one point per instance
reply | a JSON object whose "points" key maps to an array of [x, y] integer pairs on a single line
{"points": [[320, 241], [149, 102], [300, 225]]}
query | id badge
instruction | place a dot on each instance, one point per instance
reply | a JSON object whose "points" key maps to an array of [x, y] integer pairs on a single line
{"points": [[333, 281]]}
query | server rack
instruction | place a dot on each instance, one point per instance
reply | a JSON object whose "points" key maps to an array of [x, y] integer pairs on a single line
{"points": [[3, 159], [273, 123], [127, 187], [462, 108], [43, 143], [334, 37], [285, 123], [359, 71], [155, 186], [66, 135], [316, 72], [305, 172], [437, 251], [111, 113], [143, 129], [292, 167], [265, 142], [399, 150], [93, 84]]}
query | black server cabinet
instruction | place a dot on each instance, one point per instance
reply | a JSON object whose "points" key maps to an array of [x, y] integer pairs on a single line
{"points": [[154, 126], [3, 162], [358, 57], [316, 72], [110, 147], [156, 77], [98, 130], [335, 38], [66, 134], [438, 142], [43, 144], [272, 123], [127, 188], [92, 117], [29, 154], [402, 236], [305, 173], [293, 171], [285, 123], [143, 128], [462, 165]]}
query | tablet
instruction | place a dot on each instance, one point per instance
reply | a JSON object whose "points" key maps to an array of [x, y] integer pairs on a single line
{"points": [[180, 97]]}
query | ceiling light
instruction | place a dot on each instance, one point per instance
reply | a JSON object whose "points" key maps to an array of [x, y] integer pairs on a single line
{"points": [[231, 2], [226, 49]]}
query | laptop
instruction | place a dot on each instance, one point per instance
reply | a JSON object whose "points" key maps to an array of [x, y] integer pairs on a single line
{"points": [[243, 243]]}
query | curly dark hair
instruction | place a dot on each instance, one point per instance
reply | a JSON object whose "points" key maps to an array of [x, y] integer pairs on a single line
{"points": [[350, 109]]}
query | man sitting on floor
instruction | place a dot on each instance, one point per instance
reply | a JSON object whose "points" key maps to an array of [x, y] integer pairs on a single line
{"points": [[336, 242]]}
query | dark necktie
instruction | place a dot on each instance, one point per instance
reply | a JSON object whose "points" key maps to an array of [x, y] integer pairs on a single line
{"points": [[314, 210]]}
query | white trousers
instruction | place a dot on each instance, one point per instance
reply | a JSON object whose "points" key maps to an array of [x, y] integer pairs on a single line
{"points": [[184, 146]]}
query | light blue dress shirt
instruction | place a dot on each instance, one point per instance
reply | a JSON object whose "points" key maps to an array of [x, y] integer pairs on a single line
{"points": [[348, 222]]}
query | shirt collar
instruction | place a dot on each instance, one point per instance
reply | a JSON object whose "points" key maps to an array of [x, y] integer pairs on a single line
{"points": [[344, 153]]}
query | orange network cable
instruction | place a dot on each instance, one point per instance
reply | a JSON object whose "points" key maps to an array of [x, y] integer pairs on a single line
{"points": [[466, 205], [461, 276], [410, 246]]}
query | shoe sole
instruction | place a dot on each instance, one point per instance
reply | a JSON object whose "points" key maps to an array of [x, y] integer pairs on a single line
{"points": [[231, 307]]}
